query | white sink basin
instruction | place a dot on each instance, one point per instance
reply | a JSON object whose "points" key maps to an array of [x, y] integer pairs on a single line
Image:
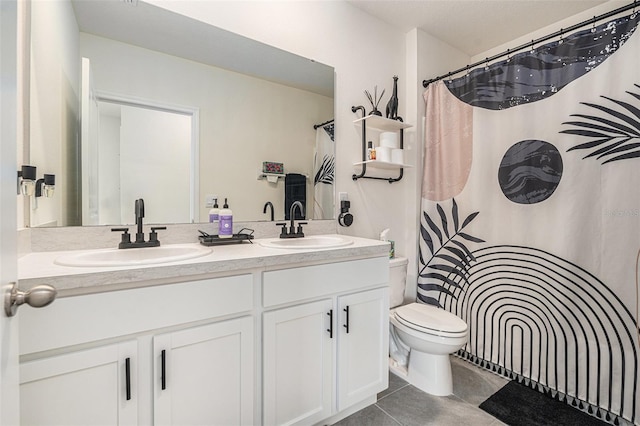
{"points": [[134, 256], [312, 242]]}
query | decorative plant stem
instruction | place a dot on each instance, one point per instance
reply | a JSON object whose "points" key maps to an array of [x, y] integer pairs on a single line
{"points": [[374, 100]]}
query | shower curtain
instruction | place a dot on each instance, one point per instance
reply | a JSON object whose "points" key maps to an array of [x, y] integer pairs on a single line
{"points": [[324, 169], [531, 215]]}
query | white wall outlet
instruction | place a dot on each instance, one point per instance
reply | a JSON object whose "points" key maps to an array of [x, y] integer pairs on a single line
{"points": [[208, 200], [343, 196]]}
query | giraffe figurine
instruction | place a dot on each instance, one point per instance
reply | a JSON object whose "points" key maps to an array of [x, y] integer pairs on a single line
{"points": [[392, 105]]}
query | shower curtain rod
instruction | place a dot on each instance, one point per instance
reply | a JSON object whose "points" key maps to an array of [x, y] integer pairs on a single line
{"points": [[315, 126], [562, 31]]}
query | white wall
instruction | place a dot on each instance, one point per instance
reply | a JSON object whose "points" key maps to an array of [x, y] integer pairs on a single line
{"points": [[54, 106], [279, 116]]}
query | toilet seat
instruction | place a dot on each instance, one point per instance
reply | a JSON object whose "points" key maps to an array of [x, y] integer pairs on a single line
{"points": [[431, 320]]}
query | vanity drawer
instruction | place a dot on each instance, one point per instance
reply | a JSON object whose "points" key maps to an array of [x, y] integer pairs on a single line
{"points": [[87, 318], [309, 282]]}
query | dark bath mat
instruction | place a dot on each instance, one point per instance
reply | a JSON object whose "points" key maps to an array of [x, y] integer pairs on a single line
{"points": [[519, 405]]}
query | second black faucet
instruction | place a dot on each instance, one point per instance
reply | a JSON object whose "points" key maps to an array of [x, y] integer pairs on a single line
{"points": [[293, 232], [139, 242]]}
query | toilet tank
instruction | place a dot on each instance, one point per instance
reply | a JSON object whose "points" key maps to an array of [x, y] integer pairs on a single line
{"points": [[397, 280]]}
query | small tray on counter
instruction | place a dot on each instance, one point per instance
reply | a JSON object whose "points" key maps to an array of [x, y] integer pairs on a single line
{"points": [[245, 234]]}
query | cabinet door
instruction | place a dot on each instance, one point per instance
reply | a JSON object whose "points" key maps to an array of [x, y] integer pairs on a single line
{"points": [[298, 363], [88, 387], [205, 375], [363, 347]]}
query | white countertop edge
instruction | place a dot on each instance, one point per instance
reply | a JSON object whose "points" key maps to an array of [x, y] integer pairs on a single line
{"points": [[39, 267]]}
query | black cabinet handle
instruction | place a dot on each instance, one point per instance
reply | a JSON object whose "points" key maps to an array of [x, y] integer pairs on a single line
{"points": [[330, 329], [163, 368], [127, 375], [347, 323]]}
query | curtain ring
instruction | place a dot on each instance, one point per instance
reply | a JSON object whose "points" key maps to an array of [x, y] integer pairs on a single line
{"points": [[486, 64], [561, 36], [593, 29], [508, 56], [532, 49]]}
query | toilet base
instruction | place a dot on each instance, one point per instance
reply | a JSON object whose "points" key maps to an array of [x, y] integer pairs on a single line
{"points": [[430, 373], [398, 370]]}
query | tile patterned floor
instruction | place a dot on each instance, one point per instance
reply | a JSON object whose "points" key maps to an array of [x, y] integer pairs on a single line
{"points": [[404, 404]]}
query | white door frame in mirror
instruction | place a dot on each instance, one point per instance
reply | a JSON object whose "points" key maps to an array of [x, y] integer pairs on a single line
{"points": [[89, 205]]}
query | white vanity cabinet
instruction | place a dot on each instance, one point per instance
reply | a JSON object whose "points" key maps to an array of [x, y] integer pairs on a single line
{"points": [[74, 356], [325, 342], [363, 345], [271, 338], [298, 359], [84, 387], [204, 375]]}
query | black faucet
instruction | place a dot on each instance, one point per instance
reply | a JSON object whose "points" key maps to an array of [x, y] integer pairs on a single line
{"points": [[140, 242], [264, 210], [139, 216], [293, 232]]}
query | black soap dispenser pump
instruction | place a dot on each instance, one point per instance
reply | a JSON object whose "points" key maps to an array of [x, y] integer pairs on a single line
{"points": [[214, 214]]}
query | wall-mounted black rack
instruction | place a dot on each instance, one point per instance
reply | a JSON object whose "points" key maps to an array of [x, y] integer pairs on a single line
{"points": [[381, 124]]}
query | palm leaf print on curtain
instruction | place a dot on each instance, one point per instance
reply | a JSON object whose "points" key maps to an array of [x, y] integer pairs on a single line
{"points": [[324, 168], [450, 255], [613, 133]]}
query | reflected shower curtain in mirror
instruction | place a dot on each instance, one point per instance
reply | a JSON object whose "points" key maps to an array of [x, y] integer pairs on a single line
{"points": [[324, 169], [530, 226]]}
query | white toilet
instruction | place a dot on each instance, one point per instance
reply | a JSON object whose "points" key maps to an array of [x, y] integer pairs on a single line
{"points": [[429, 335]]}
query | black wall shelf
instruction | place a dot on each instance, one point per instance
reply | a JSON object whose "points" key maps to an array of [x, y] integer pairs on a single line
{"points": [[381, 124]]}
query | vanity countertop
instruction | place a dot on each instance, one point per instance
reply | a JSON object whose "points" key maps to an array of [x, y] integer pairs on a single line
{"points": [[39, 267]]}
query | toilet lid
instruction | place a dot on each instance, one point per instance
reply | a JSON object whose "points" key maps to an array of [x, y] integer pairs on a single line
{"points": [[431, 318]]}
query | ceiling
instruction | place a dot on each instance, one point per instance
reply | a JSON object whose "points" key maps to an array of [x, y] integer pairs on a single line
{"points": [[475, 26]]}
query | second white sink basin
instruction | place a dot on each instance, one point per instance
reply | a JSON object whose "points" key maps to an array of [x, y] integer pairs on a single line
{"points": [[134, 256], [312, 242]]}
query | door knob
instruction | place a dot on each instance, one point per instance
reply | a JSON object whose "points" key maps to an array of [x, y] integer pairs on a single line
{"points": [[37, 297]]}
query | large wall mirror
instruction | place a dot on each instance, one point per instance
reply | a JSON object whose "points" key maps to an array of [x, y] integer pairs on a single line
{"points": [[102, 72]]}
